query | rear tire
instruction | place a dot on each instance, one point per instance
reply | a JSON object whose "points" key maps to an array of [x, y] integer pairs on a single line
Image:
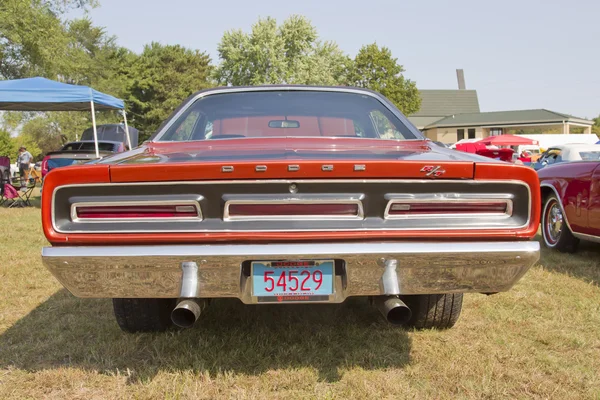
{"points": [[437, 311], [555, 230], [144, 315]]}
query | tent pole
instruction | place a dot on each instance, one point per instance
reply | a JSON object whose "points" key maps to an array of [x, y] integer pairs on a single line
{"points": [[95, 131], [127, 129]]}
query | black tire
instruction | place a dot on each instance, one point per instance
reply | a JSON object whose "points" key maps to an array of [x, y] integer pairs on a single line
{"points": [[144, 315], [437, 311], [561, 239]]}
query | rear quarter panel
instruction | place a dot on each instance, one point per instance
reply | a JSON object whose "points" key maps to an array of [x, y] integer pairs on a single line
{"points": [[572, 182], [594, 212]]}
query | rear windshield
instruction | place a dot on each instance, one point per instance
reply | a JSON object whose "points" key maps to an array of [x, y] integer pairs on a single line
{"points": [[589, 155], [286, 113], [88, 146]]}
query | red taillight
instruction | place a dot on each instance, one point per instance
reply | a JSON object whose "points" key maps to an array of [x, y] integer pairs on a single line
{"points": [[324, 210], [136, 211], [408, 208]]}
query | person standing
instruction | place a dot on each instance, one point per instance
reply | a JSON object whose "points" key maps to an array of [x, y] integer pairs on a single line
{"points": [[23, 161]]}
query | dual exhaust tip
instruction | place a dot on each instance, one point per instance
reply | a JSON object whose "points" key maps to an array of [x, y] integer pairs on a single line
{"points": [[393, 309], [187, 311]]}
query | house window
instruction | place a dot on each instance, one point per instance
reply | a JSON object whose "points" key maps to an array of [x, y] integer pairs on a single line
{"points": [[495, 131], [460, 134], [471, 133]]}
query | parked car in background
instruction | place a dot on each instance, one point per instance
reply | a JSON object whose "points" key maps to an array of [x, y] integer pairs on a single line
{"points": [[78, 152], [111, 139], [568, 153], [571, 204], [289, 194]]}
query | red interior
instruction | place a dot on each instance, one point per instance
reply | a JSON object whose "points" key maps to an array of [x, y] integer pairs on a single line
{"points": [[259, 126]]}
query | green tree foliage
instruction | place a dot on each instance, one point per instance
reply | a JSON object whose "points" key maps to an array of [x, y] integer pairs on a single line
{"points": [[8, 146], [96, 59], [375, 68], [271, 54], [162, 76], [596, 127], [33, 38]]}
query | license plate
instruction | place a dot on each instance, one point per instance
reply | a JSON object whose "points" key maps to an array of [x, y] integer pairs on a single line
{"points": [[292, 281]]}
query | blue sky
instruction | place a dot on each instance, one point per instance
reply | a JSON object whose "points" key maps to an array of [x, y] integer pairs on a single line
{"points": [[516, 54]]}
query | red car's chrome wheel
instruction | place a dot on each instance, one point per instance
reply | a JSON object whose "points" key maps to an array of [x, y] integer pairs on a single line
{"points": [[553, 222], [555, 229]]}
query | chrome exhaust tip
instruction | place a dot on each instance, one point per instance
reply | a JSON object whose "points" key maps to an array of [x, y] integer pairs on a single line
{"points": [[393, 309], [187, 312]]}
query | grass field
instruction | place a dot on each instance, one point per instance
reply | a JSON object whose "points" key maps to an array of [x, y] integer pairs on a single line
{"points": [[540, 340]]}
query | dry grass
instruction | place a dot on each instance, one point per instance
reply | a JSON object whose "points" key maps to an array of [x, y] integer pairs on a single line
{"points": [[540, 340]]}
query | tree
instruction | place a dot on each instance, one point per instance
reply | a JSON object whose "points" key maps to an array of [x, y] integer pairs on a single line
{"points": [[290, 53], [7, 145], [375, 68], [161, 77], [33, 38], [596, 127]]}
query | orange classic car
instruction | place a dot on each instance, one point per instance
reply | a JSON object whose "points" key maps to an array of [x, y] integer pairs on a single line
{"points": [[289, 194]]}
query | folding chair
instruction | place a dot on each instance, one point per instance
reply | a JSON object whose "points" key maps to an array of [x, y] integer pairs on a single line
{"points": [[11, 196], [24, 195]]}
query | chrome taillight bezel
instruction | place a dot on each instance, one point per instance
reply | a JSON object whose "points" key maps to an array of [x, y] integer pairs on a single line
{"points": [[359, 215], [197, 217], [449, 198]]}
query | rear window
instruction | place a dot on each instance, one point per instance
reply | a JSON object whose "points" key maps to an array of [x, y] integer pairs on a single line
{"points": [[589, 155], [285, 114]]}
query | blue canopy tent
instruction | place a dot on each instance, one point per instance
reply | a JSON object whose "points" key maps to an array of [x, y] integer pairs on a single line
{"points": [[41, 94]]}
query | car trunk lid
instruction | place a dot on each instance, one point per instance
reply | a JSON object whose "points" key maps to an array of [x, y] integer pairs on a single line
{"points": [[291, 158]]}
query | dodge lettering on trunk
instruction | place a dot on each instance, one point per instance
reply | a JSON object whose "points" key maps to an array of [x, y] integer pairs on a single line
{"points": [[289, 194]]}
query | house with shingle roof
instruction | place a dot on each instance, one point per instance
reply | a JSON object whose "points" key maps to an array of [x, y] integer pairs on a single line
{"points": [[451, 115]]}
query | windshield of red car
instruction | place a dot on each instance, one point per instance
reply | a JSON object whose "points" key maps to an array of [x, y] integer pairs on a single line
{"points": [[287, 114]]}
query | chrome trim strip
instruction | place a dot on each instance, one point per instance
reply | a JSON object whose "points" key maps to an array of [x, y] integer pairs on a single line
{"points": [[585, 236], [194, 203], [306, 200], [421, 267], [385, 102], [507, 198], [290, 250], [289, 182], [582, 236]]}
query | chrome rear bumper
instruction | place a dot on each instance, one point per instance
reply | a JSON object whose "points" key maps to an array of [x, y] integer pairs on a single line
{"points": [[362, 268]]}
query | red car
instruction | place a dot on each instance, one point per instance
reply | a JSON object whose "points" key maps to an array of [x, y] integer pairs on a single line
{"points": [[571, 204], [289, 194]]}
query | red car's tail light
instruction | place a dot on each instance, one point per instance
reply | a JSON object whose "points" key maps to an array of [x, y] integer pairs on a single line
{"points": [[293, 211], [104, 212], [408, 208]]}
